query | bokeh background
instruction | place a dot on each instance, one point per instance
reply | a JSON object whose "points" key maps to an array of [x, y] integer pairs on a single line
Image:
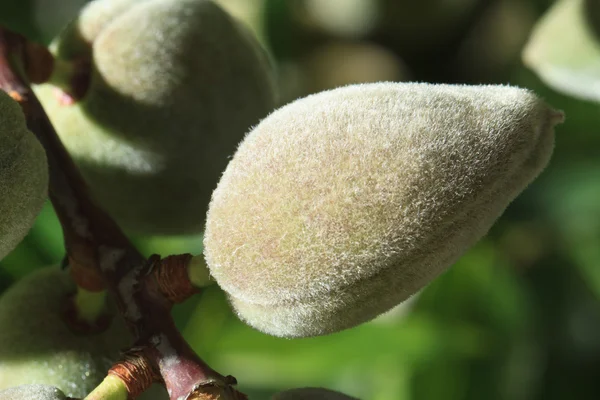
{"points": [[518, 317]]}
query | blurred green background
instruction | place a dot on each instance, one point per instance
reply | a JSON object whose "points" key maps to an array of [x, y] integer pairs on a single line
{"points": [[518, 317]]}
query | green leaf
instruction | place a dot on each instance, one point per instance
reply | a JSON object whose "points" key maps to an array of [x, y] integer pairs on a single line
{"points": [[577, 214], [564, 49]]}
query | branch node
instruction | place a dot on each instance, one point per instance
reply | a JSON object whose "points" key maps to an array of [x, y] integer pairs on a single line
{"points": [[86, 276], [172, 277], [135, 371], [212, 392]]}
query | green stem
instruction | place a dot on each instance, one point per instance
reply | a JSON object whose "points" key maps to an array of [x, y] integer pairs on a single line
{"points": [[198, 272], [62, 74], [111, 388], [89, 305]]}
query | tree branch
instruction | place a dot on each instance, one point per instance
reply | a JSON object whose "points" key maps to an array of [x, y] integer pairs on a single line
{"points": [[101, 255]]}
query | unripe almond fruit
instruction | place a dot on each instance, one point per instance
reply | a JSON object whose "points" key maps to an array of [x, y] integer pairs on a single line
{"points": [[23, 175], [174, 85], [32, 392], [38, 347], [341, 205]]}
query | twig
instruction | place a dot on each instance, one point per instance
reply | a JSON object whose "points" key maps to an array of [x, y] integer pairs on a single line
{"points": [[101, 254]]}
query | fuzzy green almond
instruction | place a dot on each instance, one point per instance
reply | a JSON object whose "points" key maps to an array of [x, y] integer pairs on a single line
{"points": [[343, 204], [38, 347], [32, 392], [77, 38], [175, 85], [23, 175]]}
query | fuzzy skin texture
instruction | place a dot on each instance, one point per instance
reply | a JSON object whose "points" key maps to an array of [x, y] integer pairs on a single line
{"points": [[77, 37], [32, 392], [176, 85], [37, 347], [341, 205], [310, 394], [23, 175]]}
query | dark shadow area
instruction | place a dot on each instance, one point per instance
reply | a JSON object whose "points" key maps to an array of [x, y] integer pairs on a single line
{"points": [[592, 15], [17, 16]]}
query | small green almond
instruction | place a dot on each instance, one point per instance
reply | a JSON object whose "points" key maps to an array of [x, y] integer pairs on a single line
{"points": [[23, 175], [174, 86], [32, 392], [38, 347]]}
